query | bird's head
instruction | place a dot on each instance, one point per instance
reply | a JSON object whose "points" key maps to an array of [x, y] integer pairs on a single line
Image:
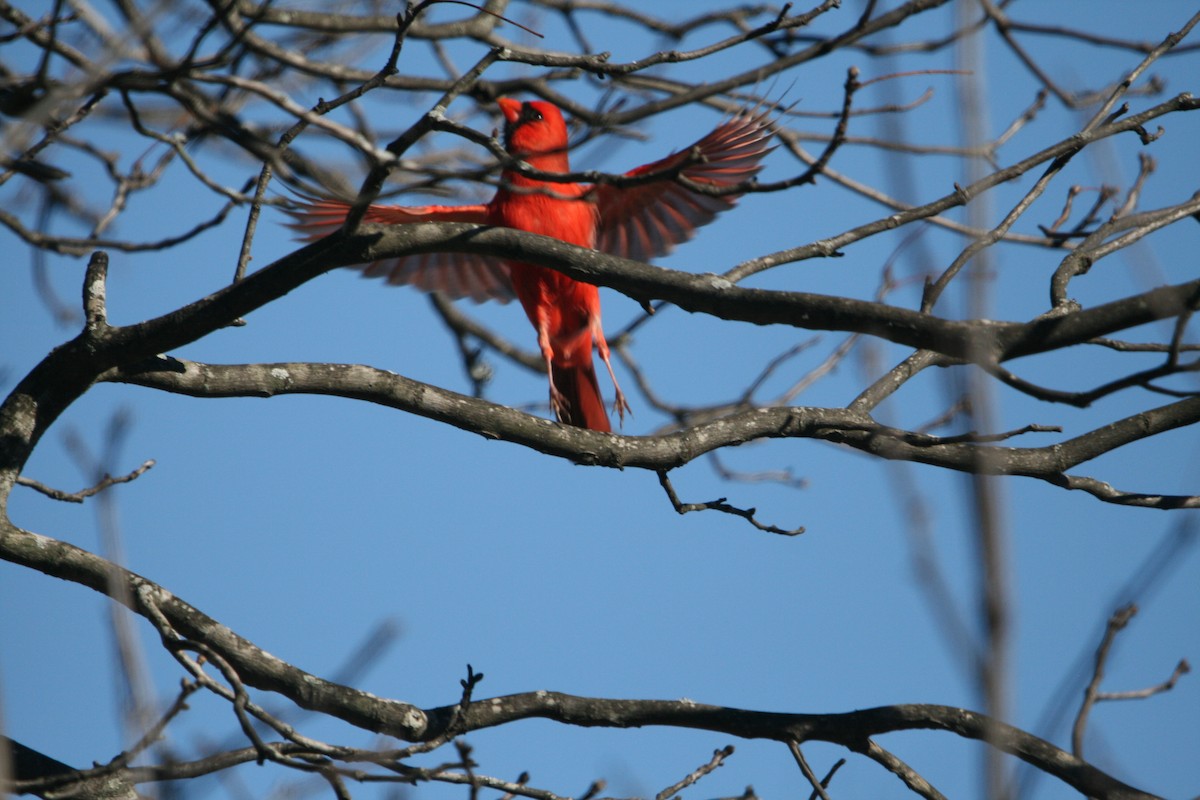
{"points": [[535, 132]]}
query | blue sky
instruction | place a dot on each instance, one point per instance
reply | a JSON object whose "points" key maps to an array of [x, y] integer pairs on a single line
{"points": [[305, 523]]}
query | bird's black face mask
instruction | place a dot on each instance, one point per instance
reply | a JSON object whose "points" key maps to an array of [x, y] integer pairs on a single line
{"points": [[528, 114]]}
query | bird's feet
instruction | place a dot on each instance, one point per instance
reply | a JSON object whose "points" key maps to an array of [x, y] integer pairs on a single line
{"points": [[621, 405], [559, 404]]}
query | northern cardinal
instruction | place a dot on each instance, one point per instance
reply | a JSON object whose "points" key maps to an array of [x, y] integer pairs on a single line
{"points": [[638, 222]]}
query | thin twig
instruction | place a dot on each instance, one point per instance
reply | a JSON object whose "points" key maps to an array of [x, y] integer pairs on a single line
{"points": [[719, 505], [83, 494], [809, 775], [718, 758]]}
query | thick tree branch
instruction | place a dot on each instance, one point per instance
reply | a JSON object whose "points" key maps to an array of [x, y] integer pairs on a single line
{"points": [[257, 668], [668, 451]]}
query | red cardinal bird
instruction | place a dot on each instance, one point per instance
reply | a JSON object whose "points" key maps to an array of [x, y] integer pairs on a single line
{"points": [[639, 222]]}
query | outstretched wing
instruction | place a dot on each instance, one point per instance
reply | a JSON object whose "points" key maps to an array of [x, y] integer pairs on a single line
{"points": [[642, 222], [453, 274]]}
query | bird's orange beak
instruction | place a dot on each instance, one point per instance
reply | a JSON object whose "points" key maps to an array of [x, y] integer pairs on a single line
{"points": [[510, 108]]}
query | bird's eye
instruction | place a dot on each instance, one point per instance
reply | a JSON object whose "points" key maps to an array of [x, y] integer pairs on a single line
{"points": [[530, 114]]}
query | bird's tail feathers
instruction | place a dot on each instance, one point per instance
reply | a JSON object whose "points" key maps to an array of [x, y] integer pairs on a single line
{"points": [[577, 397]]}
